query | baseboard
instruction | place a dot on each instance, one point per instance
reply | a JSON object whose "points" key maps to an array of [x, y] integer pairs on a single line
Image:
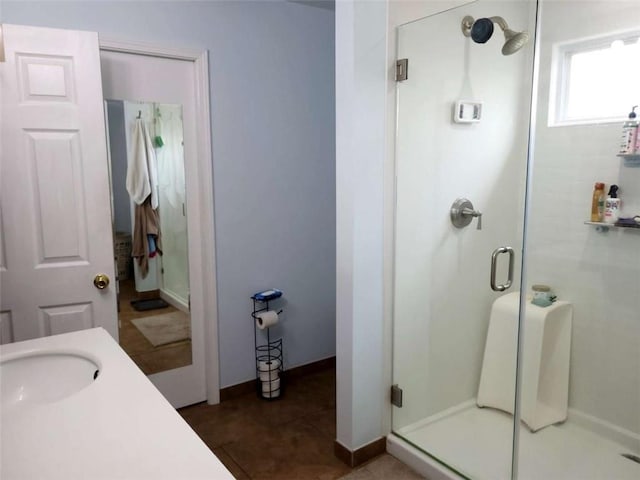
{"points": [[174, 300], [360, 455], [227, 393]]}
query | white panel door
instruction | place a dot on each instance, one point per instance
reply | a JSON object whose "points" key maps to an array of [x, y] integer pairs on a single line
{"points": [[55, 204]]}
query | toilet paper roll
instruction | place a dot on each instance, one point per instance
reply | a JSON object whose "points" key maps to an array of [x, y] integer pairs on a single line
{"points": [[266, 319], [274, 394], [271, 389], [269, 370]]}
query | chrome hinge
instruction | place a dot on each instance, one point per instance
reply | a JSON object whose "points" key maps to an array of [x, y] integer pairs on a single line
{"points": [[402, 69], [396, 395]]}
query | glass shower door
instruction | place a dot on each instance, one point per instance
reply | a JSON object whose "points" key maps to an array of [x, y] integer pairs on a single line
{"points": [[581, 406], [173, 217], [462, 132]]}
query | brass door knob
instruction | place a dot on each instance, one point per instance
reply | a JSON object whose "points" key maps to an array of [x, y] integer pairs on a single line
{"points": [[101, 281]]}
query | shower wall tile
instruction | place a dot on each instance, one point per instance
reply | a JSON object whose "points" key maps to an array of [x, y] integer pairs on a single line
{"points": [[598, 272]]}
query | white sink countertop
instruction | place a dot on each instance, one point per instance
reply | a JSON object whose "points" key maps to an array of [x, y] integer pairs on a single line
{"points": [[117, 427]]}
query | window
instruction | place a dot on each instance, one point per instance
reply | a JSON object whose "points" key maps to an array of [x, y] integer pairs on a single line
{"points": [[596, 80]]}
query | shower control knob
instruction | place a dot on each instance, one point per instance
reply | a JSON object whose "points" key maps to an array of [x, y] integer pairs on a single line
{"points": [[462, 213], [474, 214]]}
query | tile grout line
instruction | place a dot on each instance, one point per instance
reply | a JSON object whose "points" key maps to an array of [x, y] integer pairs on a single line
{"points": [[233, 459], [323, 434]]}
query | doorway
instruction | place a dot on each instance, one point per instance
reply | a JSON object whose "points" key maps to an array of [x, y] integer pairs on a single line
{"points": [[157, 103], [153, 286]]}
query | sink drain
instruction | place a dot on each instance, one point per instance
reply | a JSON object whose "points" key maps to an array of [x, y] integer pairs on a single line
{"points": [[95, 374]]}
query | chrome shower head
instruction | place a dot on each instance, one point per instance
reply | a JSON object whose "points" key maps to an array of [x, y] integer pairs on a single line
{"points": [[514, 41], [480, 31]]}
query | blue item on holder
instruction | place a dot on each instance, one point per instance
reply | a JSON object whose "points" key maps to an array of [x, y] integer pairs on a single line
{"points": [[542, 302], [267, 295]]}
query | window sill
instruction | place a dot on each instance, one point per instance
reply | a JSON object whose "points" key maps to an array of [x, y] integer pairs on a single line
{"points": [[579, 123]]}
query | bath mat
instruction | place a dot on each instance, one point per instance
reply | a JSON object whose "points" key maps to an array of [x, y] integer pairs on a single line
{"points": [[165, 328], [151, 304]]}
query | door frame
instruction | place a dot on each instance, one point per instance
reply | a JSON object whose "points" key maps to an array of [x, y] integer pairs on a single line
{"points": [[205, 230]]}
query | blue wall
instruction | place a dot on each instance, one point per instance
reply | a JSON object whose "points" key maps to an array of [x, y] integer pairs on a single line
{"points": [[273, 134], [118, 150]]}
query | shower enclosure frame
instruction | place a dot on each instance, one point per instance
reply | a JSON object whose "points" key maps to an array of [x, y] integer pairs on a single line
{"points": [[403, 449], [205, 382], [594, 271]]}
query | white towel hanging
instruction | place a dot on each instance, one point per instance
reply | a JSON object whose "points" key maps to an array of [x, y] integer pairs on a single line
{"points": [[142, 176]]}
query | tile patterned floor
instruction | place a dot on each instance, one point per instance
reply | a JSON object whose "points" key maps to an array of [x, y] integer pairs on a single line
{"points": [[384, 467], [291, 438], [149, 359]]}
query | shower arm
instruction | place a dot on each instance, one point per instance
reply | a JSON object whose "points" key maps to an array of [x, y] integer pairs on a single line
{"points": [[501, 22], [468, 21]]}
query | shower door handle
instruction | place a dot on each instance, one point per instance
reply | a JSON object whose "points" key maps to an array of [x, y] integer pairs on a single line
{"points": [[494, 262]]}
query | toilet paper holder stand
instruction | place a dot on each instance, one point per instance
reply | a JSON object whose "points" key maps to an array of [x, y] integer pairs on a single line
{"points": [[269, 355]]}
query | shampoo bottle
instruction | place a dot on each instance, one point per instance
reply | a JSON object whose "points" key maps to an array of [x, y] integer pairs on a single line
{"points": [[597, 203], [612, 206], [629, 134]]}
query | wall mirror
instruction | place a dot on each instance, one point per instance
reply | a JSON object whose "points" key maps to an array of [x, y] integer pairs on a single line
{"points": [[146, 150]]}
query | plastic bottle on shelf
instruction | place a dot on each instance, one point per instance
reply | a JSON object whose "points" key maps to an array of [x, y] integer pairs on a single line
{"points": [[597, 203], [629, 140], [612, 205]]}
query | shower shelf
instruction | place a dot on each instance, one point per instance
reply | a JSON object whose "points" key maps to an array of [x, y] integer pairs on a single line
{"points": [[604, 227]]}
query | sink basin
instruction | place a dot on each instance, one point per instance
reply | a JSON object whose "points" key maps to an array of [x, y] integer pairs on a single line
{"points": [[41, 377]]}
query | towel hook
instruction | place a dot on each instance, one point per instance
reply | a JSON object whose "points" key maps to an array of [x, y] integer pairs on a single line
{"points": [[139, 115]]}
